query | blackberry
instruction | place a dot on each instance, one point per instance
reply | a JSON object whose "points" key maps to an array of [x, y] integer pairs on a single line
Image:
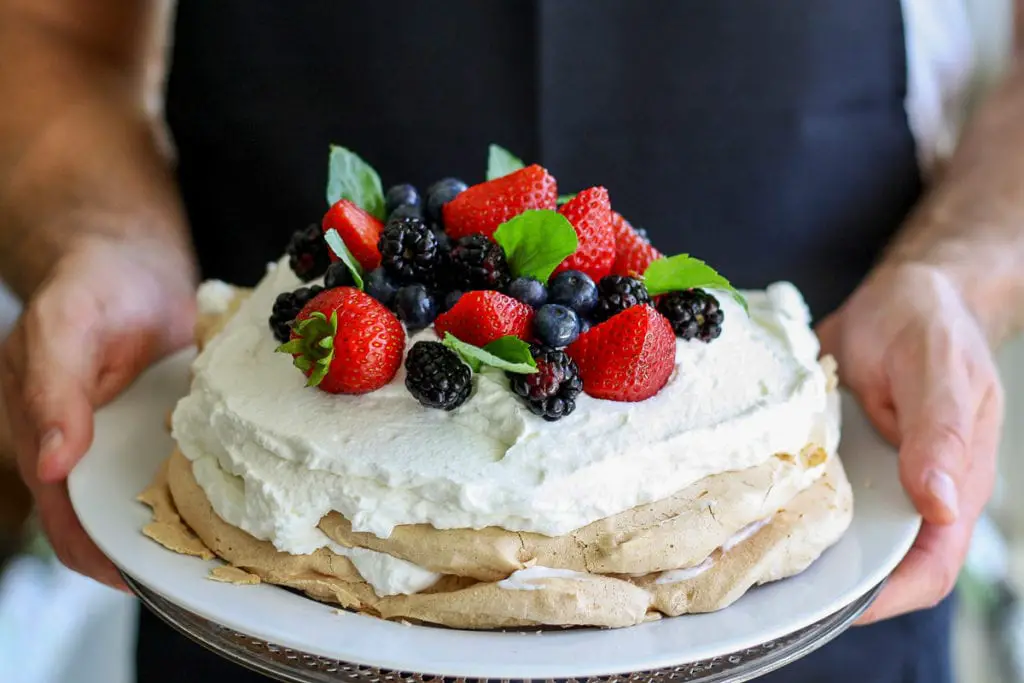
{"points": [[476, 262], [286, 307], [436, 376], [616, 293], [409, 250], [550, 392], [693, 313], [307, 253]]}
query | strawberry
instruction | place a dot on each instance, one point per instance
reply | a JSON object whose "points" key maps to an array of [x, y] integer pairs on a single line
{"points": [[633, 253], [358, 230], [480, 317], [590, 213], [346, 342], [482, 208], [629, 357]]}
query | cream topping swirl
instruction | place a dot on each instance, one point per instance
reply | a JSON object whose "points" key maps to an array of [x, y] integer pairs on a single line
{"points": [[382, 459]]}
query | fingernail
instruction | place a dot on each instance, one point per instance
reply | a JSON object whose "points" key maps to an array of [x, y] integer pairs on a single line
{"points": [[49, 445], [942, 487]]}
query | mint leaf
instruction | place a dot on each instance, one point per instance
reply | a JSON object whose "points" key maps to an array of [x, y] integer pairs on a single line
{"points": [[536, 241], [685, 272], [340, 250], [508, 353], [501, 162], [566, 198], [351, 178]]}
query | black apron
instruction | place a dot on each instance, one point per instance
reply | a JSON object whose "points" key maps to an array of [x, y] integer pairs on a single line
{"points": [[767, 137]]}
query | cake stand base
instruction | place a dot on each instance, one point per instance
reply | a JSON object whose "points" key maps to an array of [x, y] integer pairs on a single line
{"points": [[292, 666]]}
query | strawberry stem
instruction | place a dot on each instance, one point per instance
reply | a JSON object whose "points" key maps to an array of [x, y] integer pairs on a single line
{"points": [[312, 347]]}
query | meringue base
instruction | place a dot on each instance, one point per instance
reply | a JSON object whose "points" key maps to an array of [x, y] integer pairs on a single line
{"points": [[512, 597]]}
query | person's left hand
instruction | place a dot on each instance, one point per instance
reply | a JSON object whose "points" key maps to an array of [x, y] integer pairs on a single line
{"points": [[921, 367]]}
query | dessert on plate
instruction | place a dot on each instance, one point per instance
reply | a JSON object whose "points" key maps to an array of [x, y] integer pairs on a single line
{"points": [[493, 407]]}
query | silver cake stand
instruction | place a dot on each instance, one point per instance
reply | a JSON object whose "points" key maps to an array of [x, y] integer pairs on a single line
{"points": [[293, 666]]}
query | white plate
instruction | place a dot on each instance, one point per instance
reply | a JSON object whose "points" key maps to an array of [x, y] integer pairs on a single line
{"points": [[131, 441]]}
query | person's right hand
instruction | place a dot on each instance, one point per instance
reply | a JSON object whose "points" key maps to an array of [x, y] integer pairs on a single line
{"points": [[107, 311]]}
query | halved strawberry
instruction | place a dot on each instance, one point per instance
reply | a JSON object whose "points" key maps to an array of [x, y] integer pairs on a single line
{"points": [[590, 213], [633, 253], [480, 317], [346, 342], [629, 357], [359, 231], [482, 208]]}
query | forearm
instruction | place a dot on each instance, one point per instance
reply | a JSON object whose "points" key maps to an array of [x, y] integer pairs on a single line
{"points": [[79, 160], [971, 225]]}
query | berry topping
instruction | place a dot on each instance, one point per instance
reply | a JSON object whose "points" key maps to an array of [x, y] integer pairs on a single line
{"points": [[338, 275], [436, 376], [629, 357], [409, 250], [693, 314], [406, 211], [530, 291], [401, 195], [616, 293], [450, 299], [381, 286], [633, 251], [287, 306], [358, 230], [477, 263], [573, 289], [556, 326], [415, 306], [551, 392], [590, 213], [346, 342], [482, 208], [439, 194], [481, 317], [308, 255]]}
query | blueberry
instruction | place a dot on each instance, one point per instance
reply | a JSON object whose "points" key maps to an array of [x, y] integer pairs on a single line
{"points": [[531, 292], [451, 299], [556, 326], [338, 275], [584, 325], [380, 286], [444, 242], [573, 289], [406, 211], [439, 194], [415, 306], [401, 195]]}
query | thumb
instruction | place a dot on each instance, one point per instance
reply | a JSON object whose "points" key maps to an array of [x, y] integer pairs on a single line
{"points": [[56, 409], [934, 412]]}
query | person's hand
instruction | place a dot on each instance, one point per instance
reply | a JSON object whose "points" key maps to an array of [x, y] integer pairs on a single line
{"points": [[921, 367], [106, 312]]}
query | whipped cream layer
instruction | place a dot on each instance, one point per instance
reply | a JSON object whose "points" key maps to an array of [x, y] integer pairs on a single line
{"points": [[382, 459]]}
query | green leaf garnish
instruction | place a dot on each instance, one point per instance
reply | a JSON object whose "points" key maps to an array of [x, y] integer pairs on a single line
{"points": [[681, 272], [351, 178], [566, 198], [313, 346], [340, 250], [508, 353], [501, 162], [536, 241]]}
